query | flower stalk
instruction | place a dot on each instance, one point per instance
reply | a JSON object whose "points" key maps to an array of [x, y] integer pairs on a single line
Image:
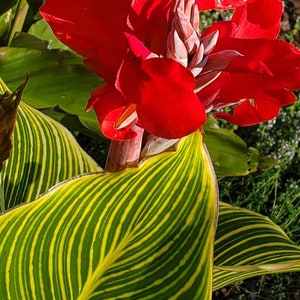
{"points": [[126, 153]]}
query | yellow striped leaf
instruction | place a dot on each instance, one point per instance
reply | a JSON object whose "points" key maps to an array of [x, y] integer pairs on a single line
{"points": [[44, 153], [143, 233], [249, 244]]}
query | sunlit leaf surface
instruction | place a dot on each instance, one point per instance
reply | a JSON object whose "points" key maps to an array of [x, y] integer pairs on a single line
{"points": [[143, 233], [44, 153], [249, 244]]}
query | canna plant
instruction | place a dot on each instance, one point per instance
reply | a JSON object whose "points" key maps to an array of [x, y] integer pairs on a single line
{"points": [[149, 226]]}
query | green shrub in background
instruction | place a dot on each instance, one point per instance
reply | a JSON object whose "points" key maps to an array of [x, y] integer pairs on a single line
{"points": [[274, 192]]}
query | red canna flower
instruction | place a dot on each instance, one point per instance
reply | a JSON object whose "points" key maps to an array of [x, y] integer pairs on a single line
{"points": [[261, 80], [163, 74]]}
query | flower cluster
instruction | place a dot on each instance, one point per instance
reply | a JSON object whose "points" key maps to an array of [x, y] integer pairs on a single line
{"points": [[164, 75]]}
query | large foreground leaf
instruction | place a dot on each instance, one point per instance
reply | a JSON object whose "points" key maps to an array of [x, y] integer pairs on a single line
{"points": [[143, 233], [44, 153], [249, 244]]}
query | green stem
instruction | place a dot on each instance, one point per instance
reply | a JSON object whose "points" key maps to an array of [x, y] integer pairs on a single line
{"points": [[19, 19]]}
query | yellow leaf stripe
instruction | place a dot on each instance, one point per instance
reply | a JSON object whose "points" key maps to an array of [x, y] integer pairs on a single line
{"points": [[144, 233], [44, 153], [249, 244]]}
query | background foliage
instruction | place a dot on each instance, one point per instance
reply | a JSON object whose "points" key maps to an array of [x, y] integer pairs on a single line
{"points": [[274, 192]]}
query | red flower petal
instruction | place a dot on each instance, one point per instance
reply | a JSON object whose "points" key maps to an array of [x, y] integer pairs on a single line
{"points": [[280, 58], [109, 105], [137, 48], [163, 91], [149, 20], [92, 28], [261, 109], [221, 4], [253, 21], [246, 64], [109, 129]]}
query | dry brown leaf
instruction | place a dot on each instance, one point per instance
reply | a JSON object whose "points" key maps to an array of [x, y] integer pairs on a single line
{"points": [[9, 103]]}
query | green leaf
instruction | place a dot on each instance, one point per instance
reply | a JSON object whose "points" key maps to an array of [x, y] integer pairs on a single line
{"points": [[6, 22], [25, 40], [249, 244], [56, 78], [42, 31], [143, 233], [229, 153], [21, 10], [44, 153]]}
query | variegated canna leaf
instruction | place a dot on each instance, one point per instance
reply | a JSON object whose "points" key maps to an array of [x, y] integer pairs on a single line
{"points": [[44, 153], [249, 244], [143, 233]]}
